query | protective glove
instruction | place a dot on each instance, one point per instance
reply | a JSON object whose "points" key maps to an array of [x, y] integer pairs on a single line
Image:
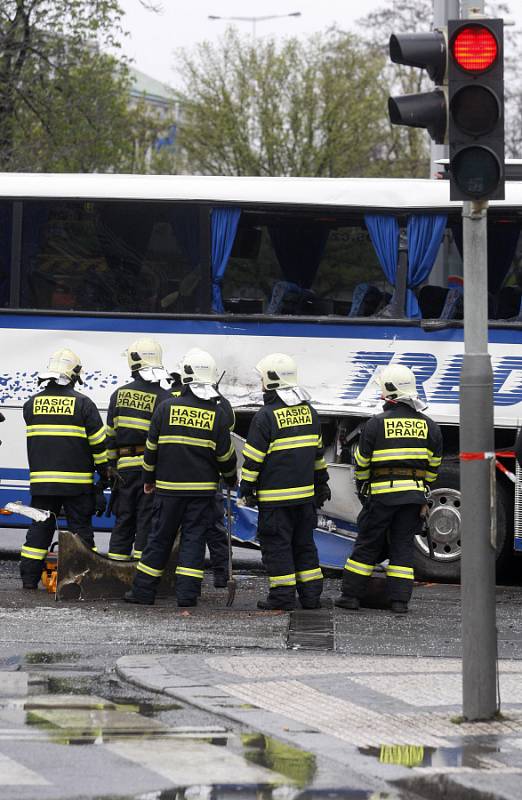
{"points": [[362, 490], [322, 494], [247, 497], [103, 472], [100, 503]]}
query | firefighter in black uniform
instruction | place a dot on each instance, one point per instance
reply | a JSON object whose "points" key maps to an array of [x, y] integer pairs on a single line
{"points": [[188, 447], [128, 419], [217, 537], [398, 455], [65, 446], [285, 473]]}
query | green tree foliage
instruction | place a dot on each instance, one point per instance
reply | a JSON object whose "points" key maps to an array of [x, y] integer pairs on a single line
{"points": [[64, 102], [314, 107]]}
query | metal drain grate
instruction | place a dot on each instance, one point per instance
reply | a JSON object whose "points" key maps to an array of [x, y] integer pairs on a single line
{"points": [[311, 630]]}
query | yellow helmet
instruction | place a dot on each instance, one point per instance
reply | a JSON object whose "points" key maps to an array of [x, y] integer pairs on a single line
{"points": [[397, 382], [277, 371], [63, 364], [144, 353]]}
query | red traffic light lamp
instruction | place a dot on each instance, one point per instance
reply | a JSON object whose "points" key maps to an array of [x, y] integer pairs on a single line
{"points": [[476, 109]]}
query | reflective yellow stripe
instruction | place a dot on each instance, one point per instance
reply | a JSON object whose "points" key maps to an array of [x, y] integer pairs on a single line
{"points": [[109, 431], [96, 438], [291, 442], [291, 493], [99, 458], [430, 476], [358, 567], [150, 445], [61, 477], [132, 422], [435, 462], [149, 467], [361, 460], [320, 463], [189, 440], [190, 573], [137, 554], [362, 474], [34, 553], [282, 580], [393, 571], [186, 486], [309, 575], [249, 475], [154, 573], [118, 557], [56, 430], [421, 453], [398, 486], [112, 454], [255, 455], [130, 461], [227, 455]]}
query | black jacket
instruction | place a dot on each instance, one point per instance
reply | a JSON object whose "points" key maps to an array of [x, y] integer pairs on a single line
{"points": [[128, 419], [177, 389], [284, 457], [188, 447], [399, 452], [65, 441]]}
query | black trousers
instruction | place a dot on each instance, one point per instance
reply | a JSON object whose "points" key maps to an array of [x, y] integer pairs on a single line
{"points": [[78, 509], [290, 555], [133, 510], [384, 530], [217, 539], [194, 515]]}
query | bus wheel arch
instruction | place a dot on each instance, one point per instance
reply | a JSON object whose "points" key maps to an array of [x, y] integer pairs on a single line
{"points": [[445, 528]]}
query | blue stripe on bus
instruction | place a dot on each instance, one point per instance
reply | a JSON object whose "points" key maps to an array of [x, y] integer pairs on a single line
{"points": [[326, 330]]}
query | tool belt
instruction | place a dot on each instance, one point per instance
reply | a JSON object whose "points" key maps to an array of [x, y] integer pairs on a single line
{"points": [[132, 450], [398, 472]]}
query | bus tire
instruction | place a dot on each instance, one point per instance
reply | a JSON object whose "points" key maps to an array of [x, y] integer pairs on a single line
{"points": [[445, 529]]}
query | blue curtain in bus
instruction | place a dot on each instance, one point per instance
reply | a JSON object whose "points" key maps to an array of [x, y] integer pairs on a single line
{"points": [[299, 249], [425, 232], [502, 244], [224, 222], [384, 233]]}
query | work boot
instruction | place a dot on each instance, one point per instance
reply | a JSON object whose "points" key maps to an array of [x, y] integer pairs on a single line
{"points": [[220, 581], [345, 601], [187, 603], [399, 607], [130, 597], [267, 605]]}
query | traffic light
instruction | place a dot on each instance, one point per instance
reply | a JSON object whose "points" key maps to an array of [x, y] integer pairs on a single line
{"points": [[424, 109], [476, 109]]}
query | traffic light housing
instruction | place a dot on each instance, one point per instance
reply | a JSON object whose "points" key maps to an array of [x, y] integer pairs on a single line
{"points": [[476, 109], [424, 109]]}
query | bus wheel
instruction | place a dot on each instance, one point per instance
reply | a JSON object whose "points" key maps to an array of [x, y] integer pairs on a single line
{"points": [[445, 529]]}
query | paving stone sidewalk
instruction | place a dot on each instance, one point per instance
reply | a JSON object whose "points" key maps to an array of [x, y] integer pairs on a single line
{"points": [[368, 713]]}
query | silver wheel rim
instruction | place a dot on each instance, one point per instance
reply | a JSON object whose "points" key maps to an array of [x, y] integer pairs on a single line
{"points": [[445, 526]]}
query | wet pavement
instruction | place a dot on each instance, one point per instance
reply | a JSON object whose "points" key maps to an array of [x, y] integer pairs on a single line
{"points": [[102, 701]]}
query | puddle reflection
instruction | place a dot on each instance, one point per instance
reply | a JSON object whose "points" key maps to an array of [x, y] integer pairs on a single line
{"points": [[477, 755]]}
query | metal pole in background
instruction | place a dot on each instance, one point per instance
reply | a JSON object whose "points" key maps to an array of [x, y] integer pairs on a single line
{"points": [[479, 635]]}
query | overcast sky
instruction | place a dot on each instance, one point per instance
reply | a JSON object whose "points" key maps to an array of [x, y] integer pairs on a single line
{"points": [[154, 37]]}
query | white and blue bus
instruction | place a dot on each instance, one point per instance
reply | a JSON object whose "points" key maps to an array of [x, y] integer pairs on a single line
{"points": [[345, 275]]}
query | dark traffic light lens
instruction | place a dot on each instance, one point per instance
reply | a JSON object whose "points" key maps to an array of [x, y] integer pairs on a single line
{"points": [[475, 48], [476, 171], [475, 109]]}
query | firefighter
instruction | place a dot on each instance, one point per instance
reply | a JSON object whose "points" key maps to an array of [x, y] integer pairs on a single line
{"points": [[65, 446], [397, 457], [187, 449], [284, 471], [217, 537], [130, 411]]}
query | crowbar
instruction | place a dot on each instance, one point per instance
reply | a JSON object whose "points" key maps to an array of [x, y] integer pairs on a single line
{"points": [[231, 583]]}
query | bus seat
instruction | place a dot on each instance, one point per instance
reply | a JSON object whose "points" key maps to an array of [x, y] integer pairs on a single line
{"points": [[431, 301], [509, 303], [320, 306], [366, 300], [287, 298], [250, 305]]}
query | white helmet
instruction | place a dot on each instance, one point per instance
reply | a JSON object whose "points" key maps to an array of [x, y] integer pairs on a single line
{"points": [[144, 353], [277, 371], [199, 368], [63, 366], [397, 382]]}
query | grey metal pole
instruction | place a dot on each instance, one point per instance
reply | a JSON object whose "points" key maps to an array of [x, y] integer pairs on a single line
{"points": [[479, 637]]}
